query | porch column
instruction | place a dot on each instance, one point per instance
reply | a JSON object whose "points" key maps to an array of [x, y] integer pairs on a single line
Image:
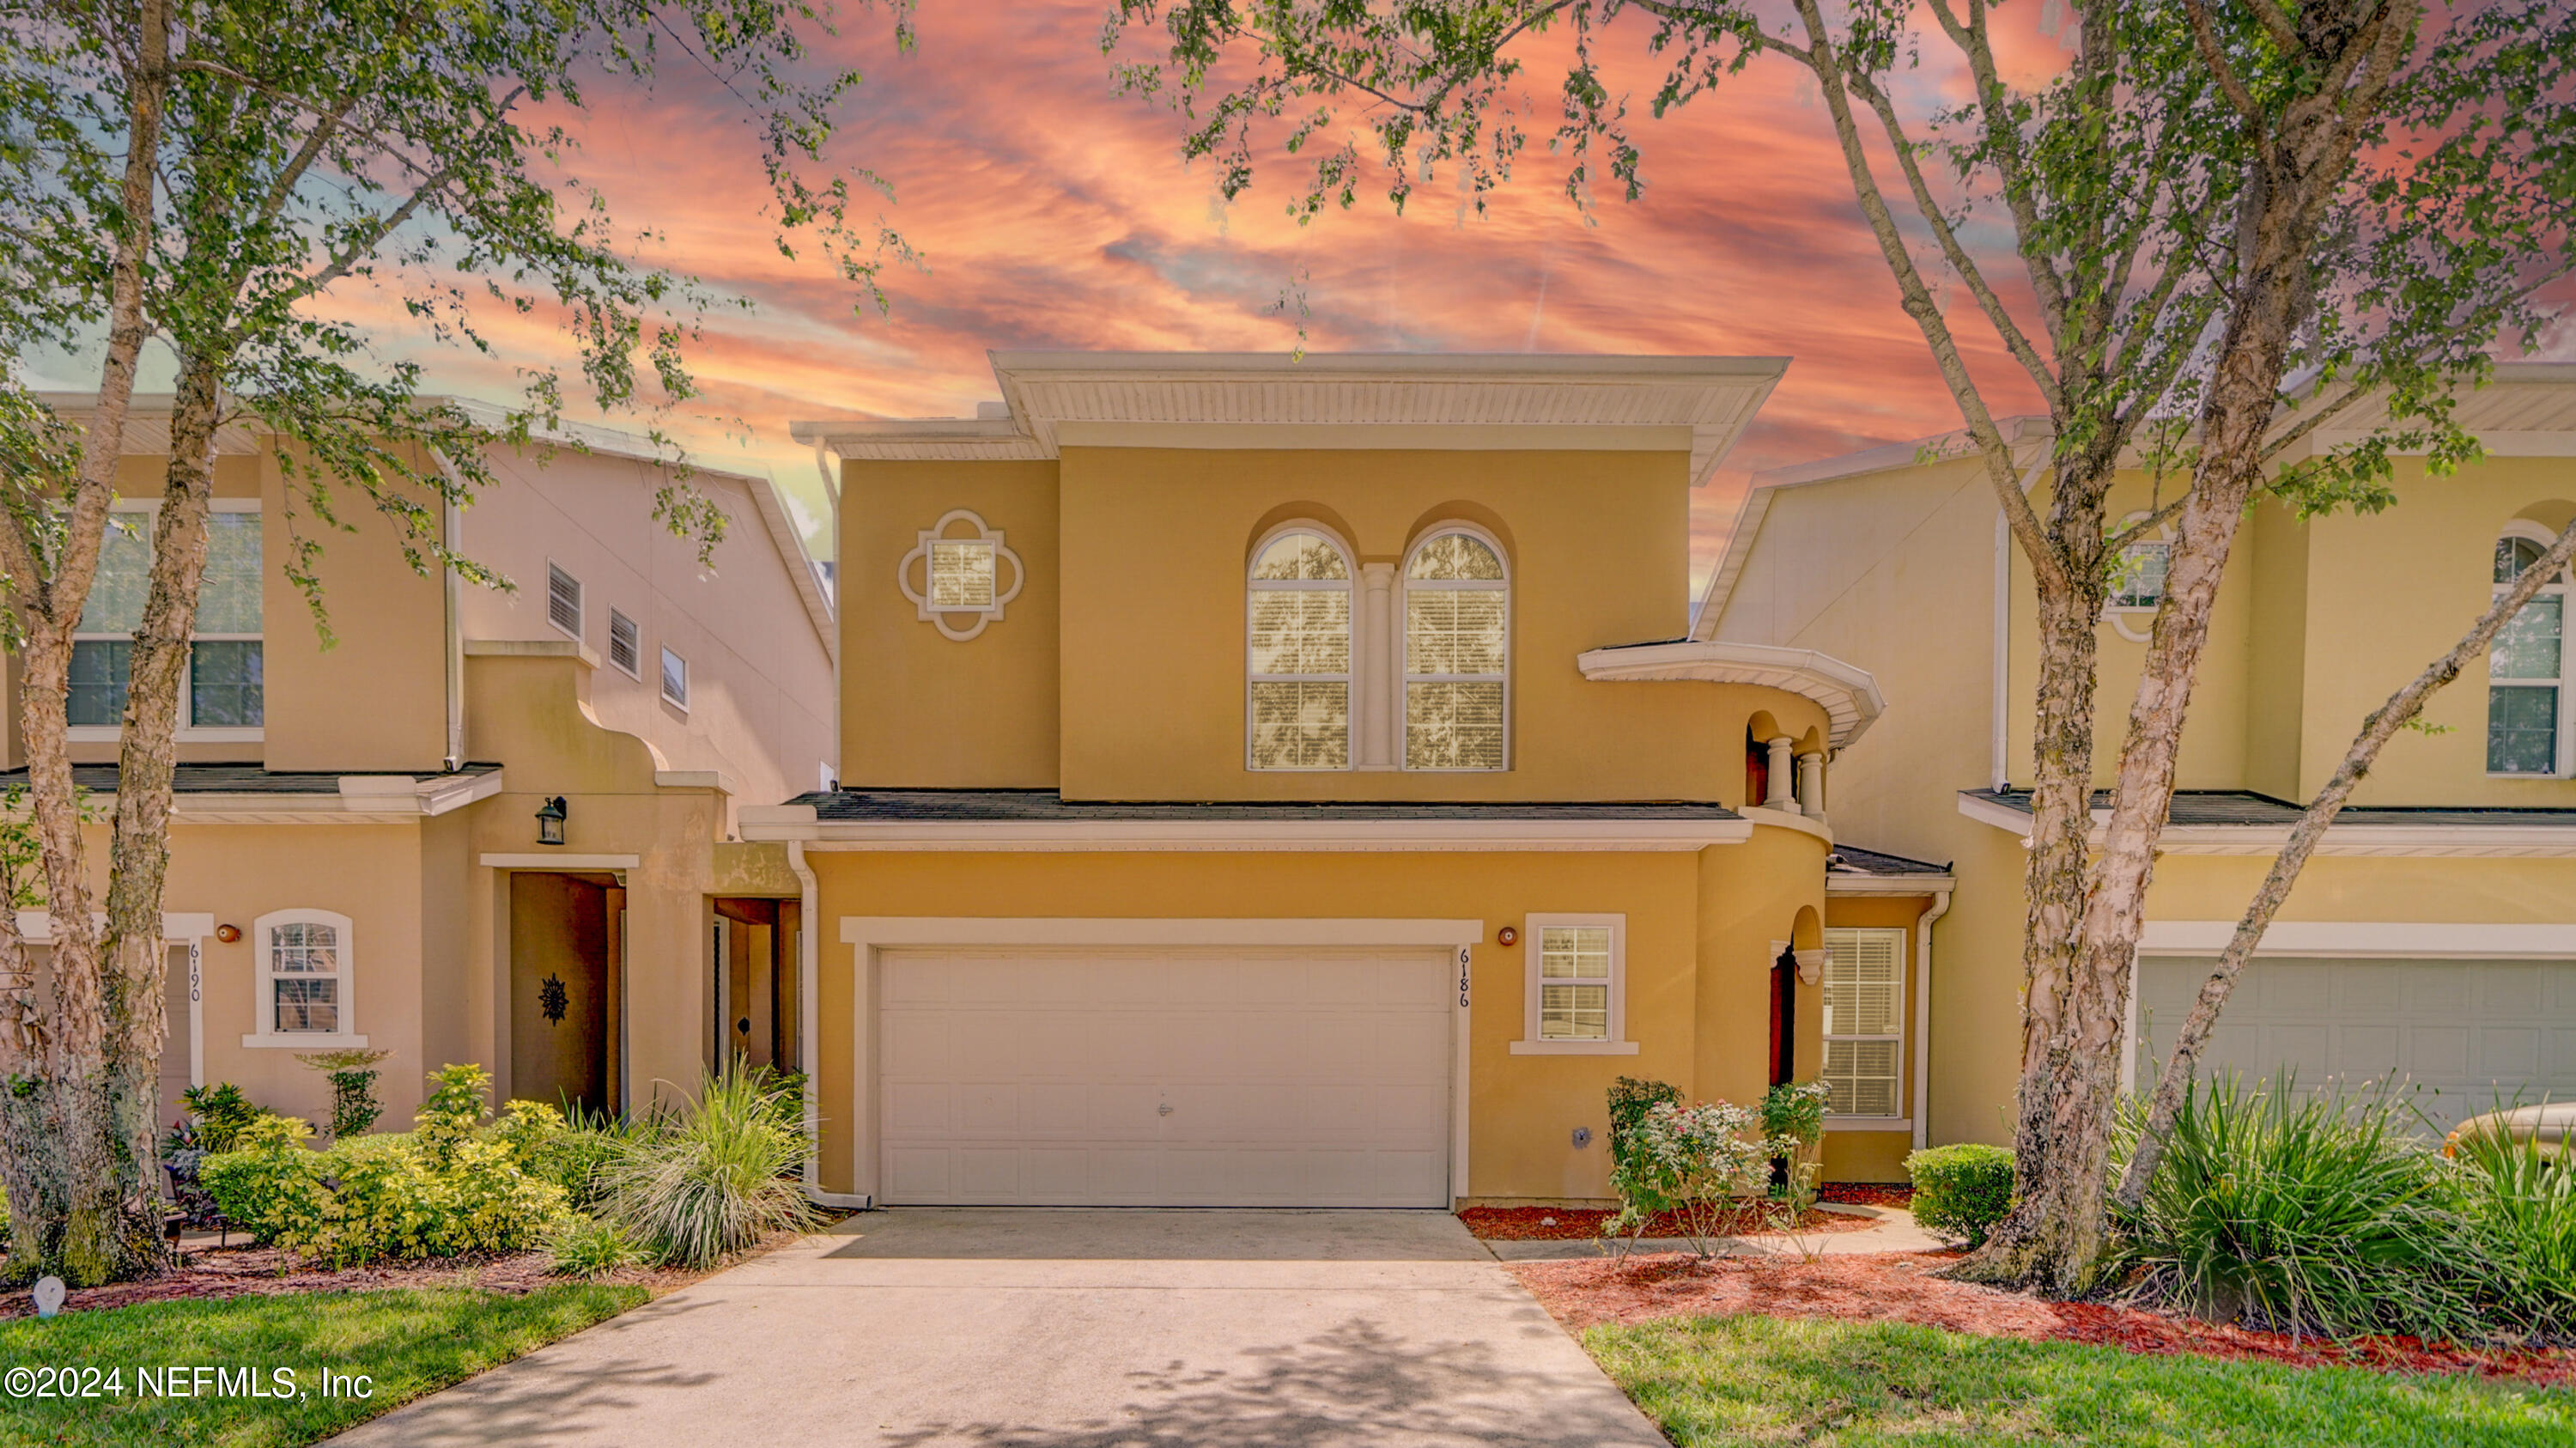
{"points": [[1811, 786], [1778, 776]]}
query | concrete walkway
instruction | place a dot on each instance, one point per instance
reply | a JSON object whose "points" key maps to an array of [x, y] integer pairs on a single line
{"points": [[1892, 1229], [1031, 1328]]}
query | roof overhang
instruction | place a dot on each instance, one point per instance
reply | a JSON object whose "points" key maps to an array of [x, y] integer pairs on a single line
{"points": [[1468, 402], [361, 799], [798, 822], [2390, 841], [1849, 695]]}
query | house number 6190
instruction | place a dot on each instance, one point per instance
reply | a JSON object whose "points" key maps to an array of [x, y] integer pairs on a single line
{"points": [[1462, 976]]}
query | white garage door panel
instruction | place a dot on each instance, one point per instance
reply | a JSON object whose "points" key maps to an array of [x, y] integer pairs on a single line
{"points": [[2460, 1031], [1291, 1078]]}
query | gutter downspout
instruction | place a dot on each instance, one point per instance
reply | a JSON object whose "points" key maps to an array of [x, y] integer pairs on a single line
{"points": [[1923, 1018], [808, 1051], [1999, 769], [826, 463], [452, 522]]}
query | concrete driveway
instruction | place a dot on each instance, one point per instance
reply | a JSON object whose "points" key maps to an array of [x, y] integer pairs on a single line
{"points": [[1031, 1328]]}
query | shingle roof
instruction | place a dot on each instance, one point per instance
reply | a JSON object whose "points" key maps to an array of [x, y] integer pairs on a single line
{"points": [[2245, 807], [1853, 860], [247, 778], [1048, 804]]}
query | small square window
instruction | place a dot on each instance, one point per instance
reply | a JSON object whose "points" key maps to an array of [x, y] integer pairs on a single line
{"points": [[675, 680], [2140, 582], [563, 600], [625, 645], [961, 573]]}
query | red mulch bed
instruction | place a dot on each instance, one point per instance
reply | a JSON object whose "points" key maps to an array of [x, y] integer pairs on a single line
{"points": [[1566, 1224], [270, 1271], [1901, 1287], [1867, 1194]]}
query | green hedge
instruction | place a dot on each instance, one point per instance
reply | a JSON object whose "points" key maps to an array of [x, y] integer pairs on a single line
{"points": [[1961, 1191]]}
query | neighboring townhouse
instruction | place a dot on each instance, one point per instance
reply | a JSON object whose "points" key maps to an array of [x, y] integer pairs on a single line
{"points": [[477, 825], [1281, 781], [2433, 938]]}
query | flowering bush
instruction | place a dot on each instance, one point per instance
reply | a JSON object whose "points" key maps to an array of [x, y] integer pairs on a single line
{"points": [[1691, 1161]]}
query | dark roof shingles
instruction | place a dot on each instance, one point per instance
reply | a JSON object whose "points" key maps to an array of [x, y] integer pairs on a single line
{"points": [[860, 805], [2245, 807]]}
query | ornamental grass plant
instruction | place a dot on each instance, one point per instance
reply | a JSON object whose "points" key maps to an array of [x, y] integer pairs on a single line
{"points": [[698, 1184], [2516, 1203]]}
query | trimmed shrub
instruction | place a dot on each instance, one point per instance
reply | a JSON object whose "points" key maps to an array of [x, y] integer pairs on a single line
{"points": [[2517, 1203], [1961, 1191], [271, 1187], [712, 1178], [1693, 1162], [2306, 1216], [590, 1247], [499, 1208], [385, 1202], [458, 1096]]}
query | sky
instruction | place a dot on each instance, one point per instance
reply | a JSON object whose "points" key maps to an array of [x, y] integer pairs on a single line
{"points": [[1049, 211]]}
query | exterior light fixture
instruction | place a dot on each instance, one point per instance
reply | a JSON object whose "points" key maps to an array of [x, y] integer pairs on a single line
{"points": [[550, 821], [1507, 936], [228, 933]]}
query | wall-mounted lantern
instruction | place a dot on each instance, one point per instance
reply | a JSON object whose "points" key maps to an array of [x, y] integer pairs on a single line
{"points": [[550, 821], [228, 933]]}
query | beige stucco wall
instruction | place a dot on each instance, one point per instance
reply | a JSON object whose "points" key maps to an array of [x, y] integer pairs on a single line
{"points": [[1698, 949]]}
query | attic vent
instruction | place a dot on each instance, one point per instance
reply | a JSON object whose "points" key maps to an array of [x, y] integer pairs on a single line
{"points": [[625, 645], [563, 600]]}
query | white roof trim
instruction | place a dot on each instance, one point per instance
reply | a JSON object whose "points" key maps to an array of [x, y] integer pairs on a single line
{"points": [[363, 799], [797, 822], [1849, 695], [2411, 842], [1465, 400]]}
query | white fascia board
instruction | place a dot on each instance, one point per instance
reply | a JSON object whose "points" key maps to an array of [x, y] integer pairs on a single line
{"points": [[1337, 836], [1849, 695], [557, 860], [880, 931], [2412, 842], [715, 779], [2380, 939], [1889, 884]]}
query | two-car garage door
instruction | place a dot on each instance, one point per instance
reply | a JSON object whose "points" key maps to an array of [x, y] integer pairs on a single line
{"points": [[2459, 1031], [1127, 1077]]}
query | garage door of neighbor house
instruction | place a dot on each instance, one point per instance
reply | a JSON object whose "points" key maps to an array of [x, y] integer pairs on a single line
{"points": [[2459, 1030], [1166, 1077]]}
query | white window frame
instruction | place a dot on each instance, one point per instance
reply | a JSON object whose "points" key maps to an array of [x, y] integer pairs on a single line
{"points": [[2133, 621], [1349, 679], [580, 601], [1899, 1120], [146, 514], [635, 632], [264, 976], [2563, 748], [1532, 928], [662, 680], [1405, 678]]}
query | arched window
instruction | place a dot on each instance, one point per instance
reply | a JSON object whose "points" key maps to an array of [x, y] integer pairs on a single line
{"points": [[1457, 653], [1298, 653], [2527, 668]]}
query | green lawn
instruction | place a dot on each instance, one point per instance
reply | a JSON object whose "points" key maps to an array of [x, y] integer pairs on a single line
{"points": [[406, 1342], [1712, 1381]]}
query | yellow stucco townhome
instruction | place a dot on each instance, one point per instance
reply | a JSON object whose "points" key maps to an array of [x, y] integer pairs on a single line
{"points": [[356, 856], [1283, 781], [2433, 939]]}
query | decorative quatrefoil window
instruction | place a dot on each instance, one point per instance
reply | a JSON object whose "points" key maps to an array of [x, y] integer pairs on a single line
{"points": [[961, 584]]}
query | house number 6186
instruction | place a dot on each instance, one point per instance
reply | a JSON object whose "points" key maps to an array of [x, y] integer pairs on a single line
{"points": [[1462, 975]]}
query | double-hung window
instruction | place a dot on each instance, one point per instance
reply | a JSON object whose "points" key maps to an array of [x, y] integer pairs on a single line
{"points": [[1297, 662], [1457, 650], [226, 685], [304, 979], [2527, 671], [675, 680], [1577, 983], [1864, 1022], [625, 645]]}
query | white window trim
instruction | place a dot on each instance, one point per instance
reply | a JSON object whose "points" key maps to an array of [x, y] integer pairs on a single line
{"points": [[2125, 620], [186, 733], [1350, 680], [940, 618], [2563, 762], [1405, 678], [1618, 1044], [662, 678], [615, 617], [1904, 1010], [580, 601], [263, 1002]]}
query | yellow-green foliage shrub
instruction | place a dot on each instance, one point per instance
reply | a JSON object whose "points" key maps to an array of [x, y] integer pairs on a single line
{"points": [[270, 1187], [498, 1207]]}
